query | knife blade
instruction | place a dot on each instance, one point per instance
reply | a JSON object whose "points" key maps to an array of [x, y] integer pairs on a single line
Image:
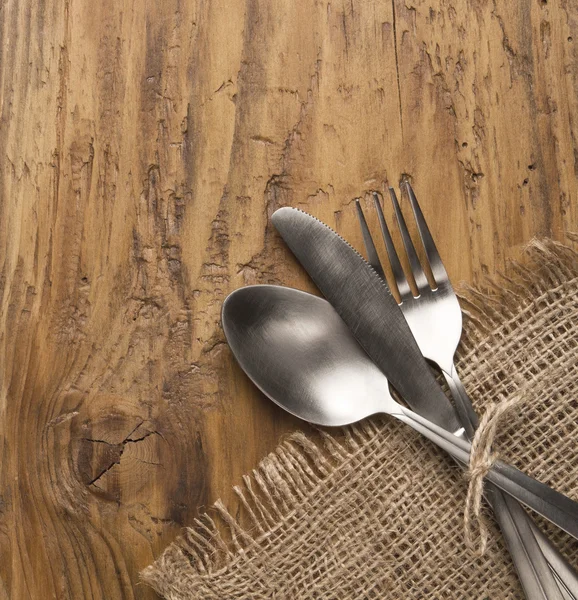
{"points": [[366, 305]]}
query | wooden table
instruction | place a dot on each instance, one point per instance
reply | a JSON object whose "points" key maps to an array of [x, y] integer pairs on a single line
{"points": [[144, 146]]}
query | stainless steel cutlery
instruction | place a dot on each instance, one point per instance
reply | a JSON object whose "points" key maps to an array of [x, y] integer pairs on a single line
{"points": [[330, 362]]}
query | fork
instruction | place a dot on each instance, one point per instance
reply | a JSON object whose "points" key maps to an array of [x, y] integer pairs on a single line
{"points": [[435, 319]]}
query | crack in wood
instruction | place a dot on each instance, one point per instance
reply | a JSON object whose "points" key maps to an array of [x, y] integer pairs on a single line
{"points": [[394, 25], [120, 447]]}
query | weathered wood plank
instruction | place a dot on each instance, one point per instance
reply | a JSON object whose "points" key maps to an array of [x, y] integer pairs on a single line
{"points": [[143, 148]]}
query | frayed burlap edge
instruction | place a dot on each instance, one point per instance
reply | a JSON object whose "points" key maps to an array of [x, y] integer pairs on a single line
{"points": [[545, 266], [272, 493]]}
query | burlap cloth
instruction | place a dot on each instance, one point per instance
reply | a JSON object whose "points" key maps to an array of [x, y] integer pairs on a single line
{"points": [[376, 511]]}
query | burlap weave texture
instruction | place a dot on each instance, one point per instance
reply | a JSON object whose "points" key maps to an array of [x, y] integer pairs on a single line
{"points": [[376, 511]]}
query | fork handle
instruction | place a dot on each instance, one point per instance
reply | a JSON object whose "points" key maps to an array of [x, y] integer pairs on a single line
{"points": [[536, 546], [534, 572], [554, 506]]}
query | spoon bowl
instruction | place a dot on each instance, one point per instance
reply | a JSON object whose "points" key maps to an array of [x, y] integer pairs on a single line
{"points": [[297, 350]]}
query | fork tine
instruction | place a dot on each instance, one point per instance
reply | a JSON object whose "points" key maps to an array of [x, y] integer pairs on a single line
{"points": [[416, 268], [435, 262], [372, 256], [400, 278]]}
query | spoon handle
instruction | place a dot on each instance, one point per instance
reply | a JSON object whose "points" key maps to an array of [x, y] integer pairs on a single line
{"points": [[554, 506]]}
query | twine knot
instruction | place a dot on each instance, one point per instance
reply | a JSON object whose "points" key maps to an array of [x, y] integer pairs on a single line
{"points": [[481, 460]]}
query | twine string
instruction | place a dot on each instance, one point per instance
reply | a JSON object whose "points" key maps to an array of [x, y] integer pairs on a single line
{"points": [[482, 457]]}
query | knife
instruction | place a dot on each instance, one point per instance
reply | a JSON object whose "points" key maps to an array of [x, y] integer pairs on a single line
{"points": [[365, 303]]}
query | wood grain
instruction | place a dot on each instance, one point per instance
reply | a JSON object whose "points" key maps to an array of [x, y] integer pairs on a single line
{"points": [[143, 148]]}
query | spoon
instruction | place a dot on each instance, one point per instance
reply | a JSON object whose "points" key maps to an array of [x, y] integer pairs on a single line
{"points": [[297, 350]]}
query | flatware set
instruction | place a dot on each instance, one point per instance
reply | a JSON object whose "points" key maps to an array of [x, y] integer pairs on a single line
{"points": [[331, 362]]}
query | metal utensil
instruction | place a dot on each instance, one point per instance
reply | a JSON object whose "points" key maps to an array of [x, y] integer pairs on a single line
{"points": [[435, 319], [361, 299]]}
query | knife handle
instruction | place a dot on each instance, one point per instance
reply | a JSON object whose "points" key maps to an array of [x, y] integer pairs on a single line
{"points": [[552, 505]]}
